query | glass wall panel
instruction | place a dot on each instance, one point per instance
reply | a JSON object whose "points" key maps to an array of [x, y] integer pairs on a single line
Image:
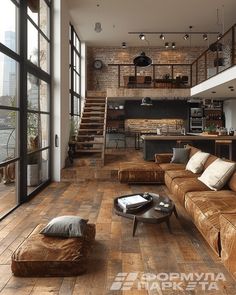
{"points": [[8, 187], [44, 54], [9, 73], [9, 24], [33, 10], [8, 135], [44, 18], [37, 131], [37, 169], [33, 50]]}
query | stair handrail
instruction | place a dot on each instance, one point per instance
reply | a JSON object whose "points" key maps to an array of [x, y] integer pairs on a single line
{"points": [[104, 133]]}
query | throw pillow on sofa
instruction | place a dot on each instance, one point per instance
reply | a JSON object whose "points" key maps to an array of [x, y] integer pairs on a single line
{"points": [[197, 161], [217, 174], [180, 155]]}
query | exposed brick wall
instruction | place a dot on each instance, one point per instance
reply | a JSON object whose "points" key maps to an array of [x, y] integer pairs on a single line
{"points": [[107, 77]]}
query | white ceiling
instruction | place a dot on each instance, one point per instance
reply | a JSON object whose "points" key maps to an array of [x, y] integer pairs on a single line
{"points": [[118, 17]]}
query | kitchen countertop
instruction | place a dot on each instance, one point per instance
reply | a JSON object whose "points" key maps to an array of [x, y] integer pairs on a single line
{"points": [[188, 137]]}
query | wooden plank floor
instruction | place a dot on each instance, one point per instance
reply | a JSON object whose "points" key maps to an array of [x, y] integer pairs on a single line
{"points": [[153, 250]]}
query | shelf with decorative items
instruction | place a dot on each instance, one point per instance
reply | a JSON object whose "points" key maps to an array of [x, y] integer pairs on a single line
{"points": [[214, 116], [115, 117]]}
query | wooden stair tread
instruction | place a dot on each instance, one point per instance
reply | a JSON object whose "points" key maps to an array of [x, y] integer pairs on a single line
{"points": [[92, 124], [92, 129]]}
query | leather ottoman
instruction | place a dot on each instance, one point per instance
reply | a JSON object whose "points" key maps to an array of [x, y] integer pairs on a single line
{"points": [[130, 172], [41, 256]]}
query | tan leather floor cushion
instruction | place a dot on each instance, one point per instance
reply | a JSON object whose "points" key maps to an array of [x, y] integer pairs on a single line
{"points": [[205, 208], [228, 242], [45, 256], [141, 173], [172, 174]]}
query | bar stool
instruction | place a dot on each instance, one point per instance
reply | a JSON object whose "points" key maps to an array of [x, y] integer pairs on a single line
{"points": [[220, 143]]}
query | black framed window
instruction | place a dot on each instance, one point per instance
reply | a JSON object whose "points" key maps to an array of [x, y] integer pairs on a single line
{"points": [[75, 74], [25, 111]]}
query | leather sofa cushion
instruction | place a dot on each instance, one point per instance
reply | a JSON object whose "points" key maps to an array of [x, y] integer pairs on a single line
{"points": [[140, 173], [181, 186], [232, 182], [44, 256], [228, 242], [163, 158], [193, 150], [172, 174], [172, 166], [205, 208]]}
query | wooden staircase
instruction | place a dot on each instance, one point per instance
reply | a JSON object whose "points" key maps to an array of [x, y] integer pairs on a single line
{"points": [[92, 131]]}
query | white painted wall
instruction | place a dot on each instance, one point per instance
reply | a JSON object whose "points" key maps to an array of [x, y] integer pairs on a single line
{"points": [[60, 86], [230, 113]]}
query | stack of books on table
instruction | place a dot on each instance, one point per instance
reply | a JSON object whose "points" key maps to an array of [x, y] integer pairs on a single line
{"points": [[131, 202]]}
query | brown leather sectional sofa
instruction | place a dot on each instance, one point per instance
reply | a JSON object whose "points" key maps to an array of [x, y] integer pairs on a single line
{"points": [[213, 212]]}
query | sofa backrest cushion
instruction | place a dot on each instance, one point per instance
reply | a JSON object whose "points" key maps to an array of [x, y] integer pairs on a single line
{"points": [[217, 174], [209, 161], [197, 161], [193, 150], [232, 182]]}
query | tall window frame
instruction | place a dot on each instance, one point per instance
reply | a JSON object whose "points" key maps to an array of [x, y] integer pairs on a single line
{"points": [[19, 161], [75, 74]]}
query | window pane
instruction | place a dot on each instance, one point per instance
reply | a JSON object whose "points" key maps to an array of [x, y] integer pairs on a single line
{"points": [[37, 131], [33, 92], [76, 106], [8, 190], [44, 17], [9, 25], [38, 94], [8, 81], [8, 135], [33, 9], [32, 44], [37, 169], [44, 54]]}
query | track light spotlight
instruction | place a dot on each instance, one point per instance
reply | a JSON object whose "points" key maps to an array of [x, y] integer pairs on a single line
{"points": [[219, 36], [162, 37], [204, 36], [123, 45], [173, 45], [186, 36], [166, 45], [142, 36]]}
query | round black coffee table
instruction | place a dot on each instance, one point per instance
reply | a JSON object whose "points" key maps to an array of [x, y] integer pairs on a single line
{"points": [[148, 214]]}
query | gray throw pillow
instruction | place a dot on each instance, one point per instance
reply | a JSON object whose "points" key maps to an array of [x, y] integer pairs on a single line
{"points": [[180, 155], [65, 226]]}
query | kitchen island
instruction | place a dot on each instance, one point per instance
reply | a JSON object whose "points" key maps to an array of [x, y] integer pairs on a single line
{"points": [[153, 144]]}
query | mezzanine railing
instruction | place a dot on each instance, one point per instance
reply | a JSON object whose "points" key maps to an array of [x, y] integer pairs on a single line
{"points": [[219, 57]]}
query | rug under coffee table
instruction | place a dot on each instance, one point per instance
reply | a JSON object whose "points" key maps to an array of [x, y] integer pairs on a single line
{"points": [[147, 214]]}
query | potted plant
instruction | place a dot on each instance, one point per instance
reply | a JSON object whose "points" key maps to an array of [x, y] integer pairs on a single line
{"points": [[33, 175]]}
